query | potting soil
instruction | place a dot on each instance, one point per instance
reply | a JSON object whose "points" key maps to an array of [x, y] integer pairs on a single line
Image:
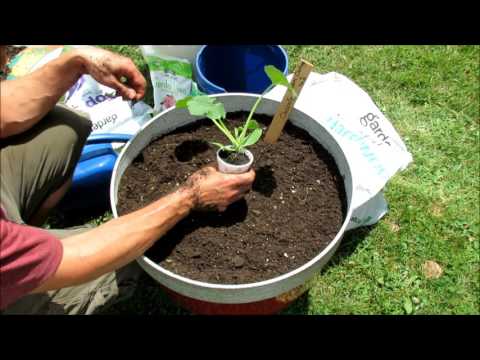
{"points": [[234, 158], [295, 209]]}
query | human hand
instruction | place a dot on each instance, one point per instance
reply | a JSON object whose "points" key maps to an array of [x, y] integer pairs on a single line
{"points": [[108, 68], [214, 190]]}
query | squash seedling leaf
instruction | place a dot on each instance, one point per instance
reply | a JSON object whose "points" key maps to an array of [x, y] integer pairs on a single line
{"points": [[183, 103], [217, 111], [253, 124], [253, 137], [278, 78], [205, 106]]}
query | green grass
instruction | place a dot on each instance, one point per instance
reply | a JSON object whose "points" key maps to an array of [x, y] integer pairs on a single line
{"points": [[431, 95]]}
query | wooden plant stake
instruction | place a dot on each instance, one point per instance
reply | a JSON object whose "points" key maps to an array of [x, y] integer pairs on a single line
{"points": [[299, 77]]}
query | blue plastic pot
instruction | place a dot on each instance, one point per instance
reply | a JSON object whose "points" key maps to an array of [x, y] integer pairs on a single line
{"points": [[93, 172], [220, 69]]}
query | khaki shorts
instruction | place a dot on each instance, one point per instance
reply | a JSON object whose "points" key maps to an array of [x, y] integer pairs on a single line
{"points": [[35, 164]]}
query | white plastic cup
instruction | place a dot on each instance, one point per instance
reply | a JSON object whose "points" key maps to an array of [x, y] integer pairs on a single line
{"points": [[227, 168]]}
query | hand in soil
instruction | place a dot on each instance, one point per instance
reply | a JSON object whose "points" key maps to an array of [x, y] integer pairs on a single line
{"points": [[108, 68], [214, 190]]}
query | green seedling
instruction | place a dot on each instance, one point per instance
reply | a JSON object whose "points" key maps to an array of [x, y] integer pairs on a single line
{"points": [[243, 136]]}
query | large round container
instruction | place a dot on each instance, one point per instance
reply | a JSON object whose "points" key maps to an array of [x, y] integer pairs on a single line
{"points": [[220, 69], [262, 297]]}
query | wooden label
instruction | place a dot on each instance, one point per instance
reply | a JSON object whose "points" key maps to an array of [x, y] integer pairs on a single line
{"points": [[299, 77]]}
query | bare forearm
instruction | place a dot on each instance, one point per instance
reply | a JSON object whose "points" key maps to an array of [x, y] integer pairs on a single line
{"points": [[28, 99], [119, 241]]}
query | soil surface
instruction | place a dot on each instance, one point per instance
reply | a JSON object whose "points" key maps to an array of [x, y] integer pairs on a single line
{"points": [[295, 209], [233, 157], [11, 51]]}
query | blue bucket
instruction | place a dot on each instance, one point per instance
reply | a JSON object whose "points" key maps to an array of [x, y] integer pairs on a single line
{"points": [[91, 178], [220, 69]]}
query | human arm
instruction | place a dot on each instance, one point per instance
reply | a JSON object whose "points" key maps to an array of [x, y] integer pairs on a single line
{"points": [[119, 241], [26, 100]]}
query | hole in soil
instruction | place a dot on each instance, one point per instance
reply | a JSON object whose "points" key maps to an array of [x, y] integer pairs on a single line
{"points": [[188, 149], [265, 182]]}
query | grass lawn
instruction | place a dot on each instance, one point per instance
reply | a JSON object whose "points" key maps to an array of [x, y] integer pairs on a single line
{"points": [[431, 95]]}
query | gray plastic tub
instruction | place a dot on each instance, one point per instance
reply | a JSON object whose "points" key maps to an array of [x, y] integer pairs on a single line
{"points": [[244, 293]]}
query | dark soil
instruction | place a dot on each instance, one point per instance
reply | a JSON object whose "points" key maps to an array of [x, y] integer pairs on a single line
{"points": [[11, 51], [295, 209], [234, 158]]}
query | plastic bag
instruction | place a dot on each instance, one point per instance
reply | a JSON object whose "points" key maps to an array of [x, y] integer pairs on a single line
{"points": [[374, 150], [171, 76], [108, 113]]}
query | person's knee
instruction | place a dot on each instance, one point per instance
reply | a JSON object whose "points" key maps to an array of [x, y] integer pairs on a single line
{"points": [[84, 128], [76, 130], [72, 131]]}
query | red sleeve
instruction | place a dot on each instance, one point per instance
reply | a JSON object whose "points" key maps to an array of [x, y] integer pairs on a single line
{"points": [[28, 257]]}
